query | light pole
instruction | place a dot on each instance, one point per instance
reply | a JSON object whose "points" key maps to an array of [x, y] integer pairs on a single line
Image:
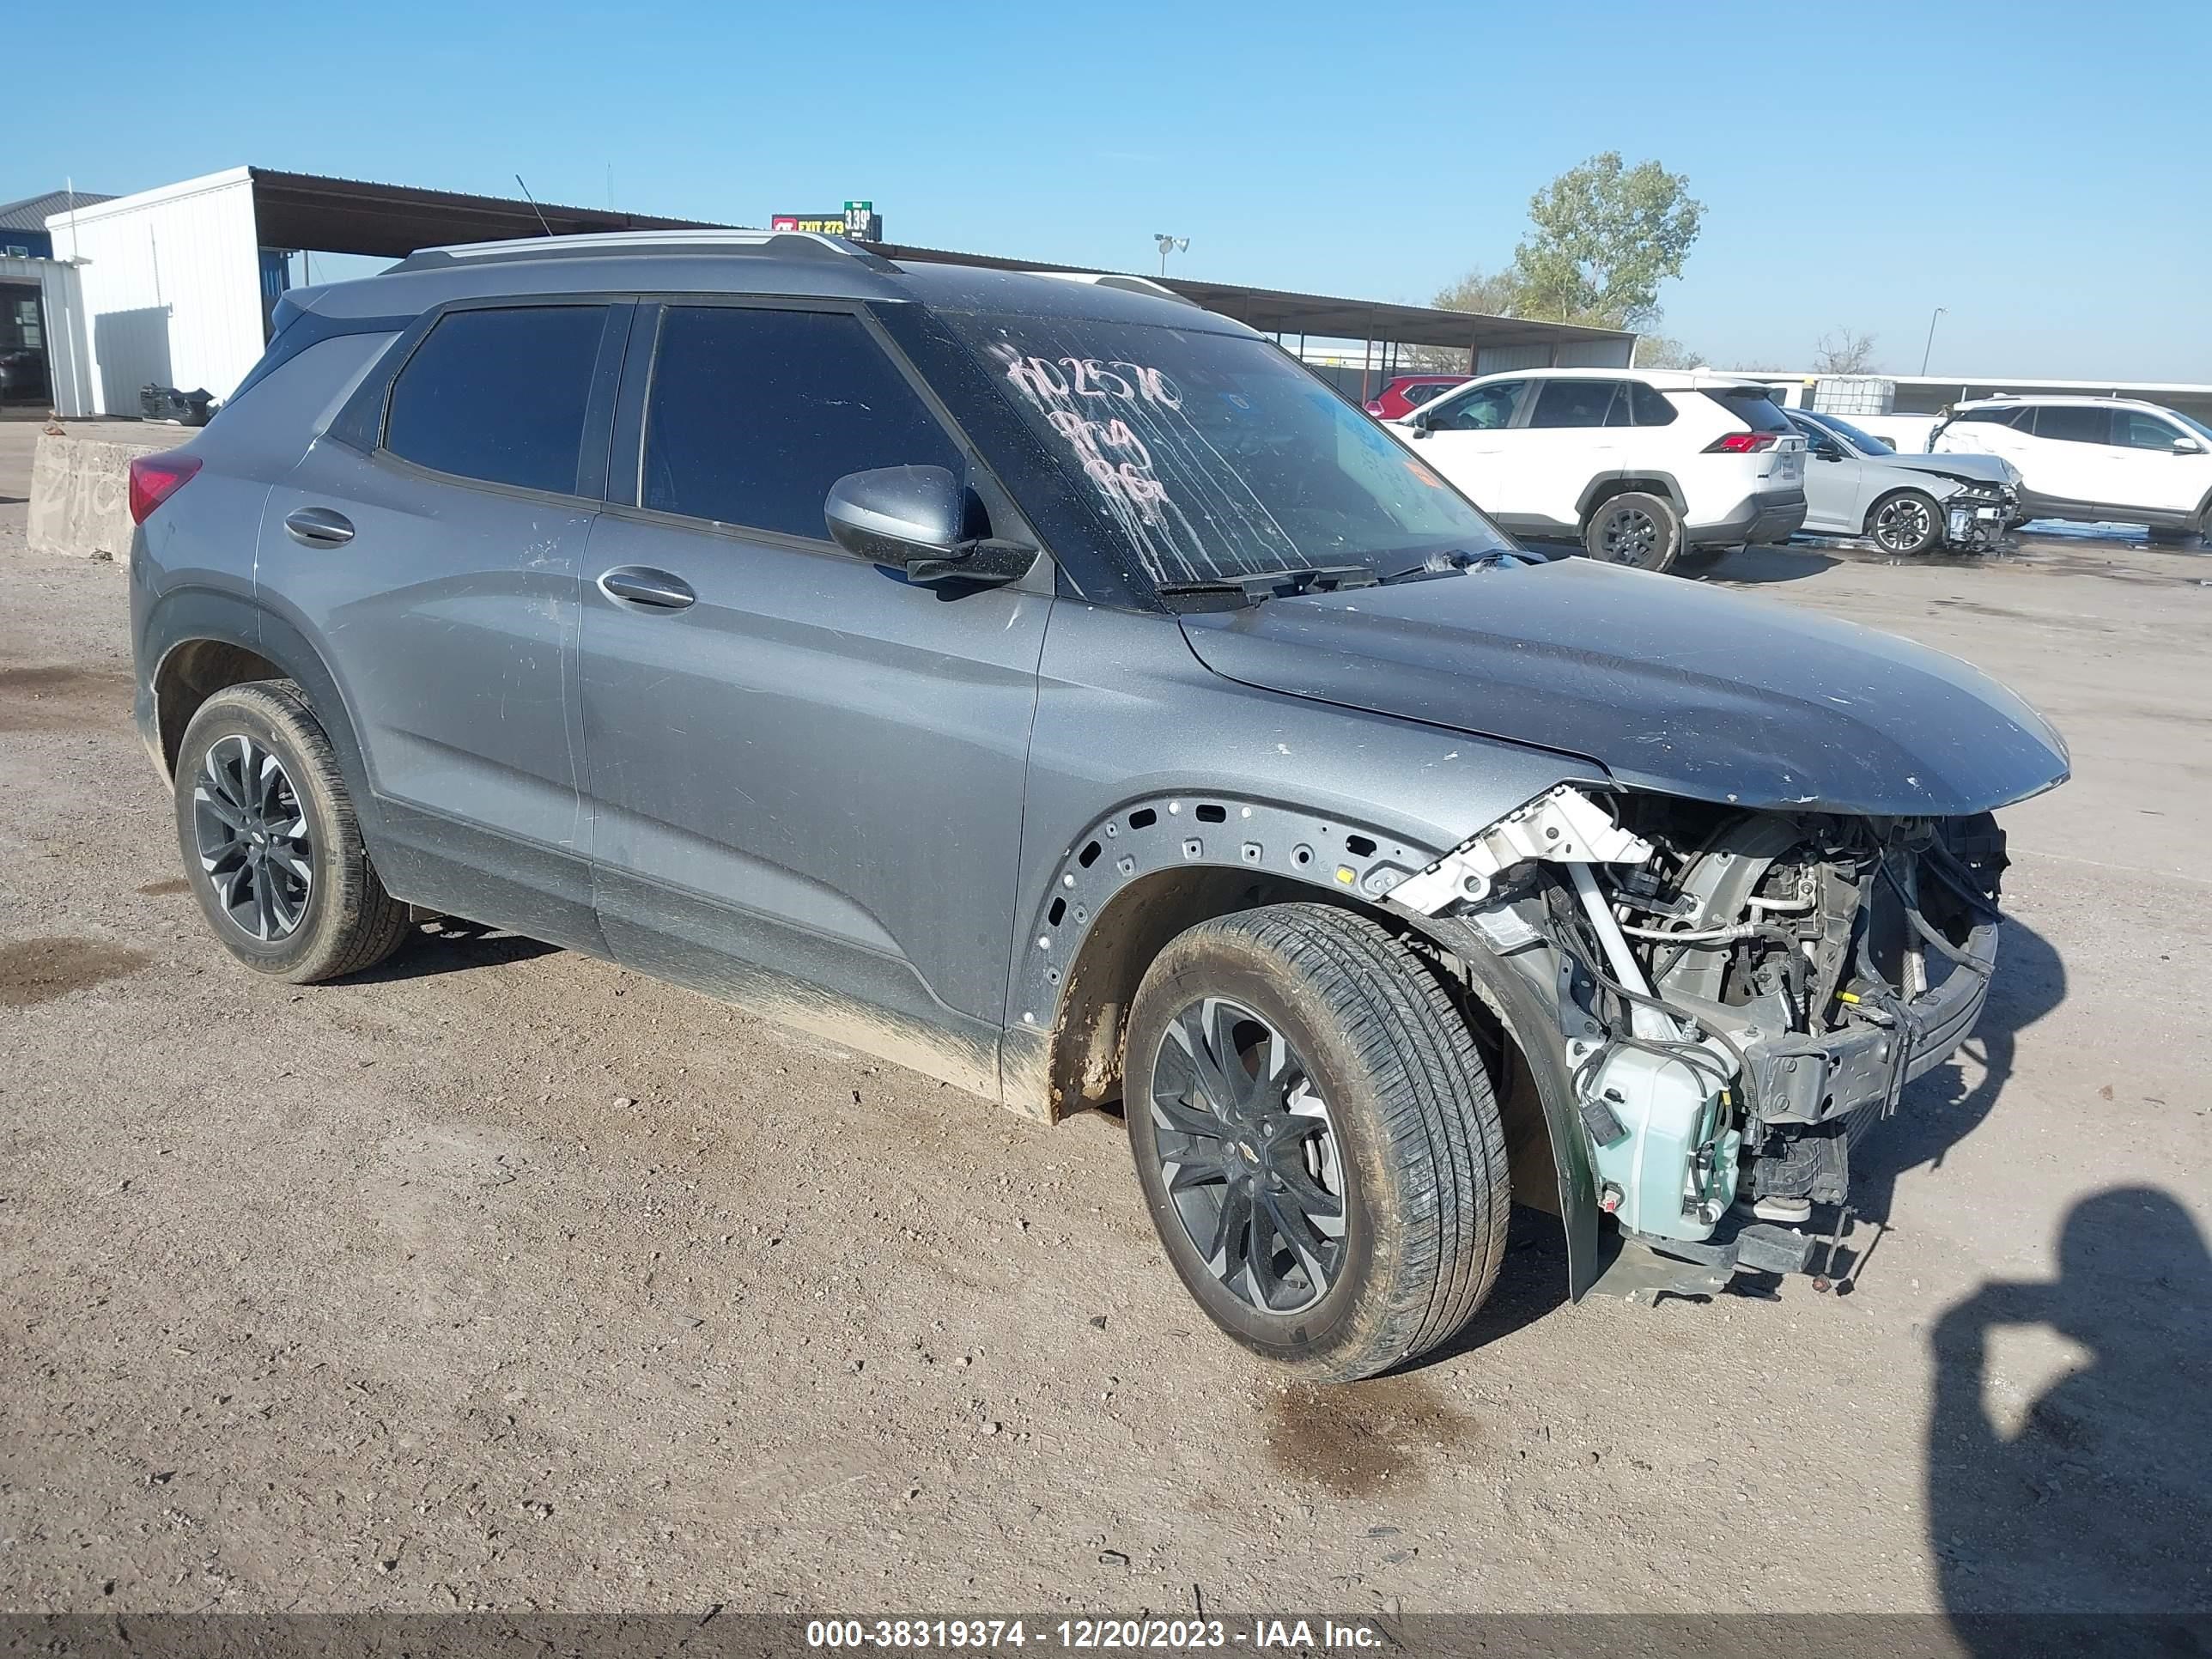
{"points": [[1169, 245], [1930, 346]]}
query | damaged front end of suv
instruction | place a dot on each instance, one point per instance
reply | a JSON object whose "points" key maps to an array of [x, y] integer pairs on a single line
{"points": [[1735, 998]]}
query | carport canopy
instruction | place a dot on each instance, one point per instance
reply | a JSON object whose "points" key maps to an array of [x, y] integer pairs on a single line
{"points": [[348, 216]]}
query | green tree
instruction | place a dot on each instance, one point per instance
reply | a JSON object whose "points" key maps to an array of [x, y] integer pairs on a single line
{"points": [[1658, 351], [1493, 293], [1602, 238]]}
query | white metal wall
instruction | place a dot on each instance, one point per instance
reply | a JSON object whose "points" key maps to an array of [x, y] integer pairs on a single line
{"points": [[170, 286], [1567, 354], [68, 363]]}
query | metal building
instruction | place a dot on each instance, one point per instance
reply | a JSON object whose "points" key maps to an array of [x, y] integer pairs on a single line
{"points": [[177, 285]]}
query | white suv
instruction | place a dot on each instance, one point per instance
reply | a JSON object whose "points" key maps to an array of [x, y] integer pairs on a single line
{"points": [[2098, 460], [1644, 466]]}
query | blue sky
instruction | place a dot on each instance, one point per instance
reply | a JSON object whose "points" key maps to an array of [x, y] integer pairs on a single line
{"points": [[2041, 170]]}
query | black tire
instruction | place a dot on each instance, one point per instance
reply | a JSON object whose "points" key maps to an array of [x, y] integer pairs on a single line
{"points": [[1906, 524], [1640, 531], [337, 918], [1419, 1151]]}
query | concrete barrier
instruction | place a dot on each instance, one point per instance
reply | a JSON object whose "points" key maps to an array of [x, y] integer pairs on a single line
{"points": [[80, 492]]}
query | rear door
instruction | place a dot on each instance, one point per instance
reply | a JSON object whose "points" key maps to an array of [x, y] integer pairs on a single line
{"points": [[2070, 456], [434, 561], [1468, 436], [1573, 432], [806, 775]]}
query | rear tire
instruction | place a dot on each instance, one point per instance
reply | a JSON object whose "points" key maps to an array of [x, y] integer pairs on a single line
{"points": [[1906, 524], [1640, 531], [270, 841], [1341, 1079]]}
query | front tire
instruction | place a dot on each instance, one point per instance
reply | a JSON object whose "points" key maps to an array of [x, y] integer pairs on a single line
{"points": [[270, 841], [1906, 524], [1316, 1138], [1640, 531]]}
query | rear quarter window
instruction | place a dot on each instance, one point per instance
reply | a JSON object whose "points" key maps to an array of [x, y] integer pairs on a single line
{"points": [[1751, 406], [1647, 406]]}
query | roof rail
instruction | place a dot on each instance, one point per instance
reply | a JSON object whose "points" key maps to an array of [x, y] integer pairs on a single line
{"points": [[775, 243]]}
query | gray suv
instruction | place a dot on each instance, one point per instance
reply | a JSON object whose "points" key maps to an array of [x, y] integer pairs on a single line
{"points": [[1052, 687]]}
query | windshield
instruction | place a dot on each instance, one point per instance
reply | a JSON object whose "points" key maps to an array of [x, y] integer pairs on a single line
{"points": [[1216, 456], [1865, 442]]}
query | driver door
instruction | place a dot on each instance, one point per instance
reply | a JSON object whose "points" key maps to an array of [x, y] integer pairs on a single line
{"points": [[1835, 483], [1466, 437], [2146, 470], [805, 775]]}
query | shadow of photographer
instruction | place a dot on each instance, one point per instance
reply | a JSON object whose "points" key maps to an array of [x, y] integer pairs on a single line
{"points": [[2100, 1501]]}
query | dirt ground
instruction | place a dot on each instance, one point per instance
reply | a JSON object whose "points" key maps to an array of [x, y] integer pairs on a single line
{"points": [[501, 1277]]}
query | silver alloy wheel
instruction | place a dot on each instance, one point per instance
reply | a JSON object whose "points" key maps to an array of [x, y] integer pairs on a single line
{"points": [[1249, 1155], [1630, 535], [250, 833], [1903, 526]]}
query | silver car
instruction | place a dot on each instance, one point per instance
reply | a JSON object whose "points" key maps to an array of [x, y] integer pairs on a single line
{"points": [[1858, 485]]}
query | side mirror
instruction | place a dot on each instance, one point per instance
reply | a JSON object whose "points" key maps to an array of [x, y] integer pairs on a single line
{"points": [[913, 517], [1828, 452], [2187, 446], [1419, 420]]}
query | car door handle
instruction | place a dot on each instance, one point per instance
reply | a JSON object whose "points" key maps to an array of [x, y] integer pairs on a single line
{"points": [[318, 526], [642, 586]]}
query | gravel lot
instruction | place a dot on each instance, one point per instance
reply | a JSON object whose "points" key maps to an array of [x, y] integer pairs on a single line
{"points": [[506, 1277]]}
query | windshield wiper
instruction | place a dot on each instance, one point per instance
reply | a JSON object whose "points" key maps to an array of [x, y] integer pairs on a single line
{"points": [[1443, 564], [1250, 586]]}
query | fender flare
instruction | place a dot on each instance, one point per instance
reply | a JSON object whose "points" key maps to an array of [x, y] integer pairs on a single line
{"points": [[186, 616], [1194, 830], [1631, 475]]}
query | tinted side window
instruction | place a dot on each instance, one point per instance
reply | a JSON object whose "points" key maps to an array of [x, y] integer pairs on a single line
{"points": [[500, 395], [1752, 407], [2074, 423], [1418, 394], [2140, 431], [1573, 403], [1485, 409], [754, 414], [1996, 416], [1649, 407]]}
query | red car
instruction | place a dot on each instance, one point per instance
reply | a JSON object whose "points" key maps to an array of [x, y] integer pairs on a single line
{"points": [[1408, 392]]}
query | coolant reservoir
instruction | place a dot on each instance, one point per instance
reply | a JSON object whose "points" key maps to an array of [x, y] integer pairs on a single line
{"points": [[1673, 1158]]}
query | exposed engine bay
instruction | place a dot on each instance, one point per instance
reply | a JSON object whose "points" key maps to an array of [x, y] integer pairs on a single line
{"points": [[1739, 994]]}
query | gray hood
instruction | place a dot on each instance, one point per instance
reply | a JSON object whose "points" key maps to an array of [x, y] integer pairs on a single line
{"points": [[1668, 684]]}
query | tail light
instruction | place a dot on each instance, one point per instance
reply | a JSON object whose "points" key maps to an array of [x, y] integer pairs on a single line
{"points": [[1375, 409], [1741, 443], [154, 478]]}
